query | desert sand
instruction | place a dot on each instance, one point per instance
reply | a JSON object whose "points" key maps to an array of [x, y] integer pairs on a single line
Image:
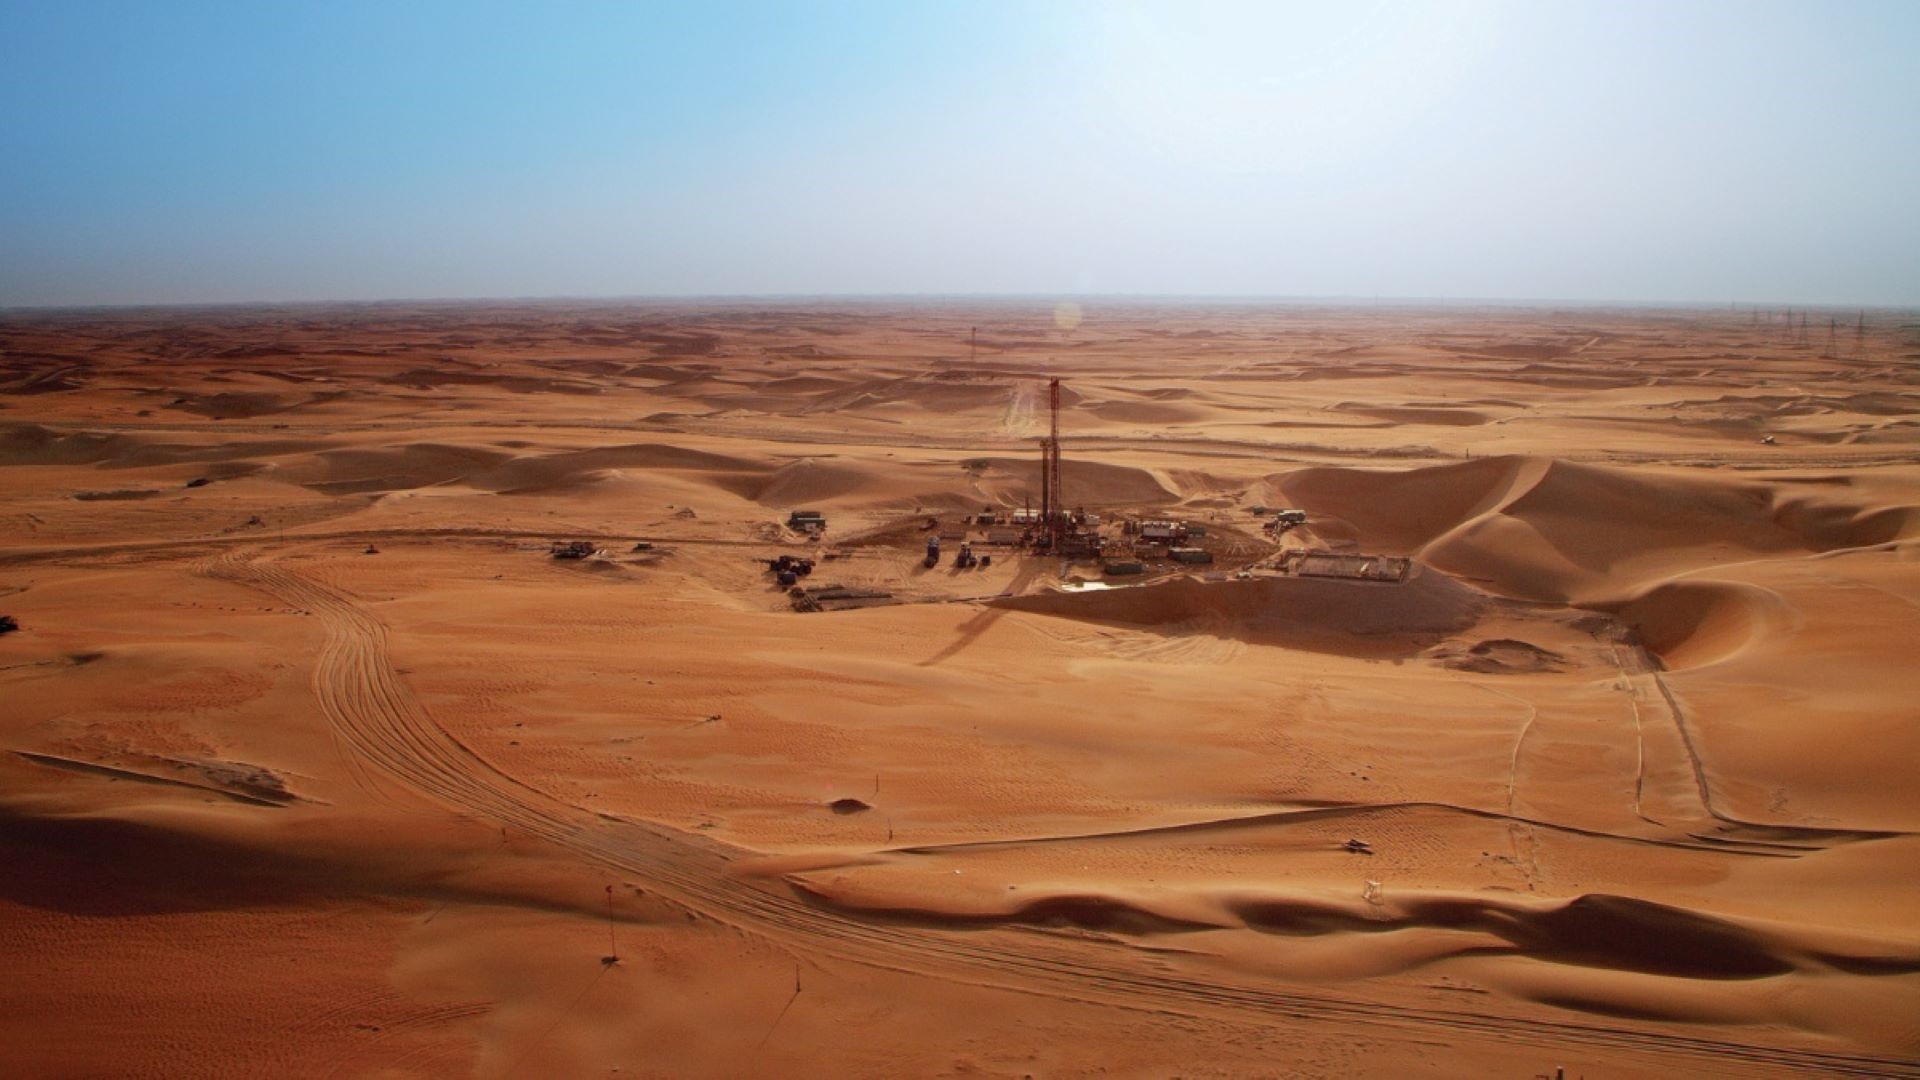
{"points": [[316, 762]]}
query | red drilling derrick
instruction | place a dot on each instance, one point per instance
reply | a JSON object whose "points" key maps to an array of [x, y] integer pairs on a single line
{"points": [[1053, 514], [1057, 520]]}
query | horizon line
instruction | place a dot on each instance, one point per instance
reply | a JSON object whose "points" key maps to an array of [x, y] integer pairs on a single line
{"points": [[1334, 299]]}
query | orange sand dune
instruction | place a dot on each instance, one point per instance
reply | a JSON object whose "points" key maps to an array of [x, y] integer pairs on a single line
{"points": [[317, 762]]}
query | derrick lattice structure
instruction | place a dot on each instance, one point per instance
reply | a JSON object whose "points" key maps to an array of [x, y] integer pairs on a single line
{"points": [[1055, 522]]}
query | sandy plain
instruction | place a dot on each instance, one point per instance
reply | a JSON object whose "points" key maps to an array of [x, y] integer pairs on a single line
{"points": [[1631, 750]]}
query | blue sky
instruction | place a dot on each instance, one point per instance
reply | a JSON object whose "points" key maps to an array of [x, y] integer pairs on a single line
{"points": [[1663, 151]]}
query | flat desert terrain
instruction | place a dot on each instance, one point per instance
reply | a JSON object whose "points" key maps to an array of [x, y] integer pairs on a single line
{"points": [[315, 760]]}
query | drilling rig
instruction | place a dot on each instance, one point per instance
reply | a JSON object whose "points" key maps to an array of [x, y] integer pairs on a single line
{"points": [[1054, 521]]}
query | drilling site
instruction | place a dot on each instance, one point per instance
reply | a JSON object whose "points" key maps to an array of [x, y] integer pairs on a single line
{"points": [[955, 687]]}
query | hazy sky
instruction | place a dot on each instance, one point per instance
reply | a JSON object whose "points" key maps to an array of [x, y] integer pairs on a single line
{"points": [[187, 151]]}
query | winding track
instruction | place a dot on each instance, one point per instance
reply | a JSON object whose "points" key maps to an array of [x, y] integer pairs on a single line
{"points": [[382, 723]]}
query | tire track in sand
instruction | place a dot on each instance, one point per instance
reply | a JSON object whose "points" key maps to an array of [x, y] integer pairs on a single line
{"points": [[379, 719]]}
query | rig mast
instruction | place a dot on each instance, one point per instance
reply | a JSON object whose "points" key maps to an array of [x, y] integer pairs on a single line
{"points": [[1054, 522], [1057, 520]]}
